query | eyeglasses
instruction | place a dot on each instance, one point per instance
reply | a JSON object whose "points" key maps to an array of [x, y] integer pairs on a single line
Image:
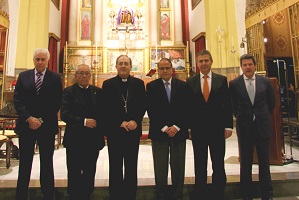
{"points": [[123, 63], [83, 73], [164, 68]]}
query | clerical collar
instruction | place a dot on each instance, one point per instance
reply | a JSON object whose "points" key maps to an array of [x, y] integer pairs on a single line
{"points": [[124, 80]]}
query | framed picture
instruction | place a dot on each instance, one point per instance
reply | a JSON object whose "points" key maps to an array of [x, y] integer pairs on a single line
{"points": [[85, 31], [164, 3], [83, 55], [175, 54], [194, 3], [136, 55], [165, 33]]}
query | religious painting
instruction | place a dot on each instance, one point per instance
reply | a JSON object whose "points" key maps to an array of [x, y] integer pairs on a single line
{"points": [[165, 25], [87, 56], [136, 55], [85, 25], [164, 3], [86, 3], [194, 3], [176, 55]]}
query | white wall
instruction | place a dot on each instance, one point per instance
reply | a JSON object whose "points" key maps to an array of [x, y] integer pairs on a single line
{"points": [[55, 24], [14, 7]]}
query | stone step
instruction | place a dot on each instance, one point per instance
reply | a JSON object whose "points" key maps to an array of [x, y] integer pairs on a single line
{"points": [[283, 190]]}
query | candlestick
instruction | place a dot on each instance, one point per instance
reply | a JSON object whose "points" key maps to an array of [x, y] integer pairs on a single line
{"points": [[156, 51], [65, 53], [206, 44], [187, 51], [96, 52]]}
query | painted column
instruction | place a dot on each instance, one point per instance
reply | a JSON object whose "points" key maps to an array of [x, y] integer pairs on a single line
{"points": [[73, 22], [177, 23]]}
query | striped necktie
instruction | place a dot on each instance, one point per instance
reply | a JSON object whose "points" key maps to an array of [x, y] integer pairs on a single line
{"points": [[38, 82]]}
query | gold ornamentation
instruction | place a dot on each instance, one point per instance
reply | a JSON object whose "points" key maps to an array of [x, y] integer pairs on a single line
{"points": [[279, 18]]}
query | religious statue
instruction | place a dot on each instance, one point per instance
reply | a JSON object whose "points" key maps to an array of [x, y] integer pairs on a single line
{"points": [[125, 16]]}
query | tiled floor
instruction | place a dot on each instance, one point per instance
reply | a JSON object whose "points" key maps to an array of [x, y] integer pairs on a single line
{"points": [[8, 177]]}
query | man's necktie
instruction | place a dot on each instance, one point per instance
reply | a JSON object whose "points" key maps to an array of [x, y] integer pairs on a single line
{"points": [[38, 82], [250, 90], [167, 90], [206, 91]]}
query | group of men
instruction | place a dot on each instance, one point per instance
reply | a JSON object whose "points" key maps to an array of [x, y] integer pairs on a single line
{"points": [[200, 108]]}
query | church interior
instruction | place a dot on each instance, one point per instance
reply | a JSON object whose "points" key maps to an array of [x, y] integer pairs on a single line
{"points": [[95, 32]]}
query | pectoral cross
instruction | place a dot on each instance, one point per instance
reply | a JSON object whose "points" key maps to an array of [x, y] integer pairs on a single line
{"points": [[125, 102], [125, 106]]}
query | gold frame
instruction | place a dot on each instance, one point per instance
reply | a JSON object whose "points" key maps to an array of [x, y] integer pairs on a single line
{"points": [[75, 54], [137, 56], [169, 52]]}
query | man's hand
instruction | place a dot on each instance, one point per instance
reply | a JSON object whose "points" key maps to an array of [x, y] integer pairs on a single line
{"points": [[91, 123], [171, 131], [130, 125], [34, 123], [227, 133]]}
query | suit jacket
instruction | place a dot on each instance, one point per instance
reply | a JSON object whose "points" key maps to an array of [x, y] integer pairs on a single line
{"points": [[45, 105], [74, 109], [113, 106], [262, 108], [162, 113], [214, 115]]}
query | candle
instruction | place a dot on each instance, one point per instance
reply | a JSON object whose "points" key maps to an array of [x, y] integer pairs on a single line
{"points": [[206, 44], [156, 51], [65, 51], [187, 51], [96, 52]]}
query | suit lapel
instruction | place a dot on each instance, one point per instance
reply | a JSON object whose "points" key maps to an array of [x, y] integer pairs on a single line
{"points": [[32, 79], [243, 87]]}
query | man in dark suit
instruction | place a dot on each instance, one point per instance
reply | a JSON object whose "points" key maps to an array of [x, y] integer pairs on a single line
{"points": [[37, 100], [253, 114], [124, 108], [211, 125], [82, 139], [168, 129]]}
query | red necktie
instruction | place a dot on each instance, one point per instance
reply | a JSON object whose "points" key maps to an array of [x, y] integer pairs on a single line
{"points": [[206, 91]]}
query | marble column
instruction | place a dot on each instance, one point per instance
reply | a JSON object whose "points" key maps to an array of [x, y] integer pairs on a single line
{"points": [[177, 27], [97, 22], [73, 22]]}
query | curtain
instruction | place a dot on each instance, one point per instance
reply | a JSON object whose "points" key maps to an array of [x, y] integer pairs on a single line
{"points": [[53, 52]]}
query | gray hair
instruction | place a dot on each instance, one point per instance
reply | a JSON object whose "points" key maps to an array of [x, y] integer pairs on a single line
{"points": [[77, 67], [42, 50]]}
